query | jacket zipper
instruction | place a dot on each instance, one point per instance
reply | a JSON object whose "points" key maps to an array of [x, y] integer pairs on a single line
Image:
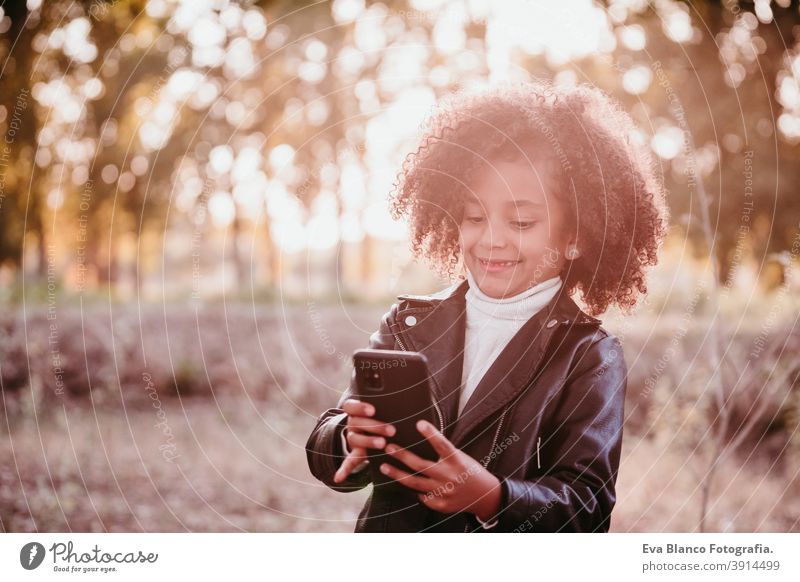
{"points": [[496, 435], [433, 400], [488, 457]]}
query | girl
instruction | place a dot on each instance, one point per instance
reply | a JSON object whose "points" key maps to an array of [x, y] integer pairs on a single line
{"points": [[528, 193]]}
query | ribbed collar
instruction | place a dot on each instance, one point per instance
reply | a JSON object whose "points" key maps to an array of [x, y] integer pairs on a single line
{"points": [[520, 307]]}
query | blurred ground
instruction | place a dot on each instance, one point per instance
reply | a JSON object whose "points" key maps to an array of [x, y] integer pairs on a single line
{"points": [[238, 469], [97, 458]]}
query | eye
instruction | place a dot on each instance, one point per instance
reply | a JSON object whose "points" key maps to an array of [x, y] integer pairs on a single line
{"points": [[524, 225], [474, 219]]}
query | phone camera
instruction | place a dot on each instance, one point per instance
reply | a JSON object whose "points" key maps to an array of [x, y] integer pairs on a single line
{"points": [[373, 381]]}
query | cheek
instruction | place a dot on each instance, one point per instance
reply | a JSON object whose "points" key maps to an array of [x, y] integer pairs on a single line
{"points": [[547, 232], [467, 235], [536, 241]]}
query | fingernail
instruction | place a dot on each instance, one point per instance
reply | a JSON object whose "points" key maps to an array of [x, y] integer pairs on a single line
{"points": [[391, 430], [422, 425], [379, 442], [384, 468], [391, 448]]}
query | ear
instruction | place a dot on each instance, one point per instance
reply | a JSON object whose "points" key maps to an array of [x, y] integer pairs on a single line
{"points": [[572, 251]]}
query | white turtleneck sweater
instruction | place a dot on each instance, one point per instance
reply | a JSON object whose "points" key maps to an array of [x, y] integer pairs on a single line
{"points": [[491, 323]]}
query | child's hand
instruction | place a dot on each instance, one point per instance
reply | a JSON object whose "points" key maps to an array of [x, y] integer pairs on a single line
{"points": [[360, 429], [456, 482]]}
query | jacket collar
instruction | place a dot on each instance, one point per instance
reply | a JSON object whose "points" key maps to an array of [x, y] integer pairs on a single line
{"points": [[563, 306], [435, 325]]}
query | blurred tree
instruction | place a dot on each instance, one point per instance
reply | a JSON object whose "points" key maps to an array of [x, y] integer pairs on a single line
{"points": [[725, 79], [132, 117], [22, 195]]}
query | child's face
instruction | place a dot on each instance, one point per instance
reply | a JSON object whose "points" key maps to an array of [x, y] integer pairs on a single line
{"points": [[516, 224]]}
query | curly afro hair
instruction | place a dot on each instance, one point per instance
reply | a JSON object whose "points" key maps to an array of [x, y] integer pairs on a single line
{"points": [[607, 182]]}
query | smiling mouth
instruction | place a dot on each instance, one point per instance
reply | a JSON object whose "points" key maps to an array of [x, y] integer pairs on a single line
{"points": [[496, 264]]}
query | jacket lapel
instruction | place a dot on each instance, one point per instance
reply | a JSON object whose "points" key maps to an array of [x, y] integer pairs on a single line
{"points": [[509, 373], [439, 333]]}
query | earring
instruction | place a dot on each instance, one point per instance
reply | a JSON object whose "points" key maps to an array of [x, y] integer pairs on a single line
{"points": [[572, 253]]}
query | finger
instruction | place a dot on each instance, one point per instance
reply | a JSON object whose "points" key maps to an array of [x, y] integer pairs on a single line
{"points": [[439, 442], [372, 425], [355, 407], [412, 460], [355, 439], [433, 502], [350, 462], [415, 482]]}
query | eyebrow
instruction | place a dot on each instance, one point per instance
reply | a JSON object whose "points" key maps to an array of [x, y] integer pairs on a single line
{"points": [[511, 203], [524, 203]]}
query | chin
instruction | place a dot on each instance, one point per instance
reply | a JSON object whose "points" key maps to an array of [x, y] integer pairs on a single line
{"points": [[500, 290]]}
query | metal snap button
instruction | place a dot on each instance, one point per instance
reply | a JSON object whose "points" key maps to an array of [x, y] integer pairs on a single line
{"points": [[411, 320], [552, 322]]}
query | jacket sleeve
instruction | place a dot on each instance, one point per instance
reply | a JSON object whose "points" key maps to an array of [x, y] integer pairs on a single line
{"points": [[324, 450], [575, 488]]}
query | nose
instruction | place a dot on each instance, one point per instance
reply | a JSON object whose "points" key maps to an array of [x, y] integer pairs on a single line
{"points": [[493, 236]]}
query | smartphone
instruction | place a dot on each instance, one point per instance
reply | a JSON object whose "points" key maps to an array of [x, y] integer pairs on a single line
{"points": [[396, 383]]}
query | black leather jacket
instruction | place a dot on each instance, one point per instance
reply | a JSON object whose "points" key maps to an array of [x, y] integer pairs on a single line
{"points": [[546, 418]]}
